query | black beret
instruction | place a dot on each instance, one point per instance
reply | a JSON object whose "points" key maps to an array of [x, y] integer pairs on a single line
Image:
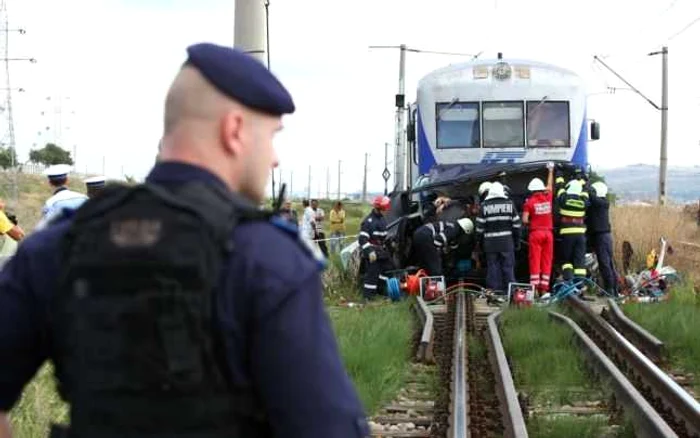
{"points": [[241, 77]]}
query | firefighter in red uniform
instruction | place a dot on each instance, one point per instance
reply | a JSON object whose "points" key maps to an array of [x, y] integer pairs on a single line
{"points": [[537, 213]]}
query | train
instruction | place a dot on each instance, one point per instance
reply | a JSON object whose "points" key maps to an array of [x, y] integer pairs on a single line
{"points": [[485, 120]]}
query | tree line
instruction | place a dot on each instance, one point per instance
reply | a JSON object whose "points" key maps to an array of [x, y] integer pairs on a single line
{"points": [[49, 155]]}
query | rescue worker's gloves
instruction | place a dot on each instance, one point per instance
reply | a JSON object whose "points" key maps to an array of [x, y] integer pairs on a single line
{"points": [[550, 165], [372, 257]]}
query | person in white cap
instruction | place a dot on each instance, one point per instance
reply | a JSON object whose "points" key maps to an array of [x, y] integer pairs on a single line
{"points": [[94, 185], [62, 197]]}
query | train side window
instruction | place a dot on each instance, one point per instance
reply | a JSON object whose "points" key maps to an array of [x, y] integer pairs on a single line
{"points": [[503, 125], [457, 125], [548, 124]]}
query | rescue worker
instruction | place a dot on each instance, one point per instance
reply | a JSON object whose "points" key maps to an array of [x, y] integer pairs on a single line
{"points": [[484, 190], [431, 240], [537, 214], [176, 307], [62, 196], [94, 185], [371, 240], [498, 229], [600, 235], [502, 178], [571, 204]]}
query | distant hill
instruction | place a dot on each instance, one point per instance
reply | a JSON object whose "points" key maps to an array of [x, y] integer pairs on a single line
{"points": [[640, 182]]}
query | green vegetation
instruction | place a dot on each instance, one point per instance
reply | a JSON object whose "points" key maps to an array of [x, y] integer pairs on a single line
{"points": [[545, 362], [39, 406], [676, 322], [579, 427], [33, 191], [50, 154], [375, 343], [549, 367]]}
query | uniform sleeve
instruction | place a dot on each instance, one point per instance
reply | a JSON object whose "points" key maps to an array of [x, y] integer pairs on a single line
{"points": [[366, 229], [297, 366], [517, 224], [5, 223], [440, 238], [480, 222], [21, 351]]}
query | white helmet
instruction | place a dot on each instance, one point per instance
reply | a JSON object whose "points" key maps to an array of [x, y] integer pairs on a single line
{"points": [[484, 187], [574, 187], [496, 191], [536, 185], [601, 190], [466, 224]]}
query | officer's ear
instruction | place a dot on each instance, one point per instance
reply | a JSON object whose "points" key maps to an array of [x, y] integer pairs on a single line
{"points": [[232, 131]]}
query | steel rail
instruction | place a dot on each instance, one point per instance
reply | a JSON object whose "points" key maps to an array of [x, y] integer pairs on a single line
{"points": [[641, 338], [511, 412], [647, 422], [459, 415], [674, 397]]}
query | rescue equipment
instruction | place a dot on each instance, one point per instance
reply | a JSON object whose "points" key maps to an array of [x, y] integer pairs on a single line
{"points": [[521, 294]]}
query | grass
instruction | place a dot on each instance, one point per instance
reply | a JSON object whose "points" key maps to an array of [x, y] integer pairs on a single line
{"points": [[676, 322], [375, 343], [545, 362], [550, 368], [644, 226], [33, 191], [579, 427], [39, 406]]}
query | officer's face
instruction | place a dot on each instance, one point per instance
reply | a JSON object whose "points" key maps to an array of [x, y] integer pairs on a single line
{"points": [[259, 155]]}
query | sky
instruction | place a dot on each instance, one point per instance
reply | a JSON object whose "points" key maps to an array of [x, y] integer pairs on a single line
{"points": [[109, 63]]}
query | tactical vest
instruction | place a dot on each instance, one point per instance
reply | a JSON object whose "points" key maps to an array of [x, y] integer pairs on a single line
{"points": [[137, 347]]}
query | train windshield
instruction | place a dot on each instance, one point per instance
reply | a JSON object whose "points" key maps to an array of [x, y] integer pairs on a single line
{"points": [[458, 125], [503, 125], [547, 124]]}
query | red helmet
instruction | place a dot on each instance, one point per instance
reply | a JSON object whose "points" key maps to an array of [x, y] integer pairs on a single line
{"points": [[381, 203]]}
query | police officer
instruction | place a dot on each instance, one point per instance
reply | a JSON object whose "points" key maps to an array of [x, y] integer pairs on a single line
{"points": [[431, 240], [371, 240], [571, 203], [176, 320], [62, 196], [94, 185], [599, 232], [498, 228]]}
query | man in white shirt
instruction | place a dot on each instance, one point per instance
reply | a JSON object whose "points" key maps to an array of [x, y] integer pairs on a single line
{"points": [[320, 235], [308, 221]]}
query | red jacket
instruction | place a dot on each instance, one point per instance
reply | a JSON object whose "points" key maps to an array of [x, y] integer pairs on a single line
{"points": [[539, 208]]}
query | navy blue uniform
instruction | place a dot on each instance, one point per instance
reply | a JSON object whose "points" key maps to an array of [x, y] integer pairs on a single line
{"points": [[277, 336], [371, 240], [601, 239], [498, 227], [431, 240]]}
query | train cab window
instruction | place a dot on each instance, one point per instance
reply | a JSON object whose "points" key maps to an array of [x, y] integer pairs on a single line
{"points": [[457, 125], [548, 124], [503, 125]]}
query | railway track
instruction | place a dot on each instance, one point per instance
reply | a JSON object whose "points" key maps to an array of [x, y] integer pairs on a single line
{"points": [[664, 397], [462, 386]]}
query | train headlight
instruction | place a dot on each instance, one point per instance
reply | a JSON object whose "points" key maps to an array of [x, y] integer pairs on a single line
{"points": [[502, 71]]}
